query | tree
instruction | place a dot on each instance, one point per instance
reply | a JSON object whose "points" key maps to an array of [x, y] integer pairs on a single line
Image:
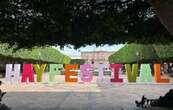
{"points": [[44, 54], [77, 61], [79, 22], [164, 12], [135, 53], [143, 53]]}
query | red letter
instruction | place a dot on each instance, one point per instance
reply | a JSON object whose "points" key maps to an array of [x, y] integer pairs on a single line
{"points": [[116, 68], [27, 73]]}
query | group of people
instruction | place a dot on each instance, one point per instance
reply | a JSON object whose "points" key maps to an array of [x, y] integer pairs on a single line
{"points": [[3, 106], [162, 101], [1, 93]]}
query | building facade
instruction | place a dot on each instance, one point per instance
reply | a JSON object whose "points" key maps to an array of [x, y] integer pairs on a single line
{"points": [[96, 57]]}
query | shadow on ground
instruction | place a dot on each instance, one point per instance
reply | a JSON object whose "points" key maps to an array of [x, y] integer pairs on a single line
{"points": [[71, 101]]}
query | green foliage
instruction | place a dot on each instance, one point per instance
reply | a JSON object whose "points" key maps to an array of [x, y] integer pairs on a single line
{"points": [[77, 61], [132, 53], [35, 54], [165, 52], [146, 53], [66, 60], [31, 23]]}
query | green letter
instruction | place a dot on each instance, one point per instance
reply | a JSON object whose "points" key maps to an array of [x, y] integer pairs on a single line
{"points": [[53, 70], [39, 71], [131, 74], [145, 73]]}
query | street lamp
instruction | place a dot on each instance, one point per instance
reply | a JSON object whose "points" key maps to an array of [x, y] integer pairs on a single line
{"points": [[137, 54], [39, 57]]}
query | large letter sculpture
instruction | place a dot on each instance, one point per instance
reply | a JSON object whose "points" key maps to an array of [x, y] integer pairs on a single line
{"points": [[157, 75], [27, 73], [116, 68], [131, 73], [70, 71], [86, 74], [101, 72], [54, 69], [145, 73], [12, 74], [39, 70]]}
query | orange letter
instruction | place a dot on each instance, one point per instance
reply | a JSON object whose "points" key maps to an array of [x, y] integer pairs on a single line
{"points": [[69, 72], [157, 75]]}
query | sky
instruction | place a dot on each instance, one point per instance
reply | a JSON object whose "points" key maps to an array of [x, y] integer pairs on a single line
{"points": [[75, 53]]}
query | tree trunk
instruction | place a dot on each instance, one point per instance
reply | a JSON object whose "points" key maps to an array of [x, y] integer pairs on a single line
{"points": [[165, 12]]}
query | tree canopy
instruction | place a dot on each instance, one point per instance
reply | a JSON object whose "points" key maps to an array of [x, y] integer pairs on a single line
{"points": [[143, 53], [78, 22], [44, 54], [134, 53], [77, 61], [164, 12]]}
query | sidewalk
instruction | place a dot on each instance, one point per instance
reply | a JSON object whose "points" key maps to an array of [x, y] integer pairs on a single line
{"points": [[79, 96]]}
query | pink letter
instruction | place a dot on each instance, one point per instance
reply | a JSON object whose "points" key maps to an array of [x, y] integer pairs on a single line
{"points": [[85, 73], [27, 73], [116, 68]]}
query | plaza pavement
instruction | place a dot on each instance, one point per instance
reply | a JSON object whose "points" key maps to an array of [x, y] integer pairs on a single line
{"points": [[79, 96]]}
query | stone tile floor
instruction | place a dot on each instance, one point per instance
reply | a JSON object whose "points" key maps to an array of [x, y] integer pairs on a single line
{"points": [[79, 96]]}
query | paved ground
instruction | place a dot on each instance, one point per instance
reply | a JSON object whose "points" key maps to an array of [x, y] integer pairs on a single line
{"points": [[93, 96]]}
